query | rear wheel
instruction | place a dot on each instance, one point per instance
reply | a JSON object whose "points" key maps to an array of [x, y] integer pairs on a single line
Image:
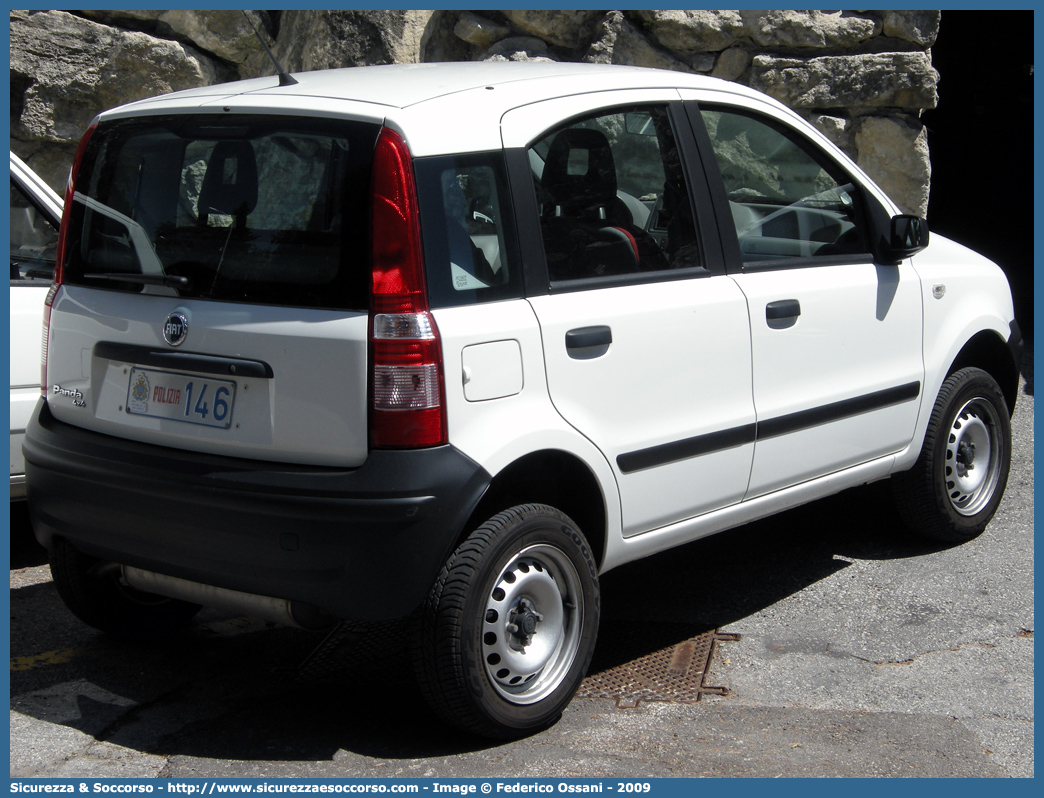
{"points": [[95, 592], [509, 628], [957, 483]]}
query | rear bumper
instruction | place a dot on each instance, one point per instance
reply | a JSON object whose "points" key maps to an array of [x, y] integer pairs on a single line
{"points": [[364, 544]]}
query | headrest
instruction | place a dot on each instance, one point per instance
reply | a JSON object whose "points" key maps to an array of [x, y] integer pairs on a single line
{"points": [[579, 173], [230, 184]]}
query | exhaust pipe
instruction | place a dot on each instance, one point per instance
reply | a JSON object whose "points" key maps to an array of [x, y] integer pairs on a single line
{"points": [[267, 608]]}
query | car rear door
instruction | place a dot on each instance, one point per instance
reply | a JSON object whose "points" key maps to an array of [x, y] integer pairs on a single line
{"points": [[836, 337], [646, 340]]}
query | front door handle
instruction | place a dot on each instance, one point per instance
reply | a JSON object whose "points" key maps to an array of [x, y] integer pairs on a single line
{"points": [[587, 343], [782, 309]]}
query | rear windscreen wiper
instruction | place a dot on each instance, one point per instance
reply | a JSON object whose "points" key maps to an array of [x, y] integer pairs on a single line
{"points": [[171, 280], [38, 274]]}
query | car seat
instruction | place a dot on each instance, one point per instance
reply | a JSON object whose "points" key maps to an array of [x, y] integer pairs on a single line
{"points": [[230, 183], [587, 229]]}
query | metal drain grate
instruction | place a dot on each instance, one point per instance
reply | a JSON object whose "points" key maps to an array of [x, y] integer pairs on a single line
{"points": [[623, 669], [675, 674]]}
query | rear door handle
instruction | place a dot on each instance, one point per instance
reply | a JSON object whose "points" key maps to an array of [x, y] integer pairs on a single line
{"points": [[782, 309], [587, 343]]}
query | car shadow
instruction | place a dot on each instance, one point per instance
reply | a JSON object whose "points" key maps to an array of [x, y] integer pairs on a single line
{"points": [[25, 551], [1026, 369], [226, 689]]}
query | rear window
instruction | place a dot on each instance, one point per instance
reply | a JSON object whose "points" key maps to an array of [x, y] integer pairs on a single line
{"points": [[266, 210]]}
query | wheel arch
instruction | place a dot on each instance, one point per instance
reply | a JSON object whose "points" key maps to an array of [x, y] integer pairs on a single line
{"points": [[986, 350], [555, 478]]}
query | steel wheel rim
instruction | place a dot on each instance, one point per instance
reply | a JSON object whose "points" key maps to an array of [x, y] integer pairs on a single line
{"points": [[972, 468], [532, 621]]}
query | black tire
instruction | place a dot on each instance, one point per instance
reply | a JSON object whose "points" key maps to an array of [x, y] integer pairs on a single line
{"points": [[528, 569], [957, 483], [99, 597]]}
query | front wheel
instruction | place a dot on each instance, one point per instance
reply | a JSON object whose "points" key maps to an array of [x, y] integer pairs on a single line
{"points": [[509, 627], [957, 483]]}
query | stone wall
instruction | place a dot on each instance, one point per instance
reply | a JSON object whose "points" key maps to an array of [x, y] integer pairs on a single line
{"points": [[863, 78]]}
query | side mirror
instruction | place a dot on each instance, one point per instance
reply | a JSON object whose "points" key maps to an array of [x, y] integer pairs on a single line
{"points": [[908, 236]]}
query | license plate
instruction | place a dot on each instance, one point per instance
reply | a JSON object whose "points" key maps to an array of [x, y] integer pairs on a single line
{"points": [[181, 397]]}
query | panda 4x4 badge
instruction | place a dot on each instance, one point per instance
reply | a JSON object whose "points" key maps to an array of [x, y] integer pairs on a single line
{"points": [[71, 393]]}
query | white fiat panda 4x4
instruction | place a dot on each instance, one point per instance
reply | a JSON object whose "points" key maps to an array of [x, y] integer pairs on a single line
{"points": [[448, 341]]}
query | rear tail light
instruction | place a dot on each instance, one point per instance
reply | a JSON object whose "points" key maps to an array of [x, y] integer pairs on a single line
{"points": [[407, 395], [60, 254], [48, 301]]}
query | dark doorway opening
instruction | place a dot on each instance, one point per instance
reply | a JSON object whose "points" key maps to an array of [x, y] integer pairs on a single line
{"points": [[981, 142]]}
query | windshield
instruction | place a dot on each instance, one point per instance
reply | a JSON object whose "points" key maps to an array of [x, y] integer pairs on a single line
{"points": [[269, 210]]}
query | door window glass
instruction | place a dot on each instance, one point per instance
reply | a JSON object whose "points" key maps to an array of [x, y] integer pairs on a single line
{"points": [[786, 202], [34, 241], [613, 198], [469, 247]]}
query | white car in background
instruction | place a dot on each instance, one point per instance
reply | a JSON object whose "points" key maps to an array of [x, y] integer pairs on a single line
{"points": [[36, 211]]}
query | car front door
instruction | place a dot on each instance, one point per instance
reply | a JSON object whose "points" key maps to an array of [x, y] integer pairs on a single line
{"points": [[836, 337], [646, 339]]}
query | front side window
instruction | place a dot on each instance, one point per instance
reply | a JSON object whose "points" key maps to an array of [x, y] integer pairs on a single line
{"points": [[786, 201], [613, 197], [266, 210]]}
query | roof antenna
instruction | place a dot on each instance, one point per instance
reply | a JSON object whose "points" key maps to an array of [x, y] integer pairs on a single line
{"points": [[285, 78]]}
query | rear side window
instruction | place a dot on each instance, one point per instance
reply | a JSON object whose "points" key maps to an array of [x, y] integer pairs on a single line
{"points": [[468, 230], [267, 210]]}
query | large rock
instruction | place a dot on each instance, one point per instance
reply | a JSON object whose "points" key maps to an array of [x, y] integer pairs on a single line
{"points": [[694, 31], [440, 41], [225, 34], [519, 48], [65, 70], [731, 64], [833, 29], [570, 29], [835, 128], [479, 31], [330, 39], [894, 152], [919, 27], [617, 41], [900, 80]]}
